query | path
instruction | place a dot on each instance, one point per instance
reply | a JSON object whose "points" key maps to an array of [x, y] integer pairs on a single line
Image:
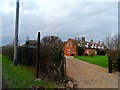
{"points": [[89, 75]]}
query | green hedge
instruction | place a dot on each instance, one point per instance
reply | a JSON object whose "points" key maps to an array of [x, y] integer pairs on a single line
{"points": [[80, 51], [101, 52], [51, 58]]}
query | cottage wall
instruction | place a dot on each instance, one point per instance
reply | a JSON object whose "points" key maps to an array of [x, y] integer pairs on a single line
{"points": [[87, 51], [70, 49]]}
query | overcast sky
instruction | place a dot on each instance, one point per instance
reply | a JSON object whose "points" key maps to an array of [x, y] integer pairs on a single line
{"points": [[63, 18]]}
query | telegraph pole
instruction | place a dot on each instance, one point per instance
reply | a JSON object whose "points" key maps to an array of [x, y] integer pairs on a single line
{"points": [[15, 59], [38, 53]]}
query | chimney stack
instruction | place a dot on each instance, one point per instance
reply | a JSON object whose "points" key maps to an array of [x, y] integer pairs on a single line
{"points": [[98, 42], [102, 43], [83, 39]]}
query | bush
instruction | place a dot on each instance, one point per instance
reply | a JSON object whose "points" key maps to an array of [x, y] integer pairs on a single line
{"points": [[92, 53], [113, 53], [52, 60], [101, 52], [8, 51], [80, 51], [24, 54]]}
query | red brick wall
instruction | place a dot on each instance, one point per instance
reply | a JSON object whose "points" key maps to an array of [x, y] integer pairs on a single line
{"points": [[70, 46]]}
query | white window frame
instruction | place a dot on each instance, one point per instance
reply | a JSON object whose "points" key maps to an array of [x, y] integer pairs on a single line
{"points": [[69, 50]]}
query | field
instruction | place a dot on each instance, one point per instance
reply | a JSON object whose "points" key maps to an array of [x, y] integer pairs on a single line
{"points": [[20, 76], [98, 60]]}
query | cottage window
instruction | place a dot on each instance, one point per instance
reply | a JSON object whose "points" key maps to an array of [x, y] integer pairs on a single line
{"points": [[99, 47], [73, 50], [91, 46], [68, 50], [95, 46], [102, 47], [86, 45], [80, 43]]}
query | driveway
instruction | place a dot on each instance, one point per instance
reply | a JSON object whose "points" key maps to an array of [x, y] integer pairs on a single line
{"points": [[89, 75]]}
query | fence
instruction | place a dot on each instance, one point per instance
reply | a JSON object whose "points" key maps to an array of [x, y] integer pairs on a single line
{"points": [[113, 64]]}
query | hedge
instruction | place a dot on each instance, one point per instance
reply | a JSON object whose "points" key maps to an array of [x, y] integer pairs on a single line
{"points": [[51, 58], [101, 52]]}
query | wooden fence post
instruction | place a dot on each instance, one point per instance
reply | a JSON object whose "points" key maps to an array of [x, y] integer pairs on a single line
{"points": [[64, 66], [110, 64], [118, 64]]}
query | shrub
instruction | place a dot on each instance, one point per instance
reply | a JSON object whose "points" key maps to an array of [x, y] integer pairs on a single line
{"points": [[80, 51], [116, 58], [92, 53], [8, 51], [113, 53], [101, 52], [51, 62]]}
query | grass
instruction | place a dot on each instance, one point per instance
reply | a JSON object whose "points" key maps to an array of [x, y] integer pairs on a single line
{"points": [[20, 76], [98, 60]]}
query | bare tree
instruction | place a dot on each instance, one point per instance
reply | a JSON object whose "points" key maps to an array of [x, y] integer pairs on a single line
{"points": [[108, 40], [50, 39], [113, 43]]}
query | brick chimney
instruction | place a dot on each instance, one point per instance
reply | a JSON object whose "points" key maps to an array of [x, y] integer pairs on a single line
{"points": [[83, 39], [102, 43], [98, 42], [83, 42]]}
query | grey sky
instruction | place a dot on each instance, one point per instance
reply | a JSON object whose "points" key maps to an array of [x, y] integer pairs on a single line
{"points": [[63, 18]]}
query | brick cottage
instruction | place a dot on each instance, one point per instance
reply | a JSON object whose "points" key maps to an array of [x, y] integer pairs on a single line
{"points": [[70, 49], [71, 46]]}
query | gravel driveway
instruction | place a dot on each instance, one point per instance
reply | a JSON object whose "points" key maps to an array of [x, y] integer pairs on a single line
{"points": [[89, 75]]}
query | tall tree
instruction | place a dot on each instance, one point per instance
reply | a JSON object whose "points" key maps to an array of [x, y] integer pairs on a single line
{"points": [[113, 42], [50, 39]]}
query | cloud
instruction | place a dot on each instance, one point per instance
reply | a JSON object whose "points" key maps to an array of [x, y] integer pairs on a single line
{"points": [[63, 18]]}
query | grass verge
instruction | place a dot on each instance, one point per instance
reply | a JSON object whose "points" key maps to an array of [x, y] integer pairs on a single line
{"points": [[98, 60], [20, 76]]}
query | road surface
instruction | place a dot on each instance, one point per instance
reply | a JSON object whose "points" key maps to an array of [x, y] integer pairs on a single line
{"points": [[89, 75]]}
